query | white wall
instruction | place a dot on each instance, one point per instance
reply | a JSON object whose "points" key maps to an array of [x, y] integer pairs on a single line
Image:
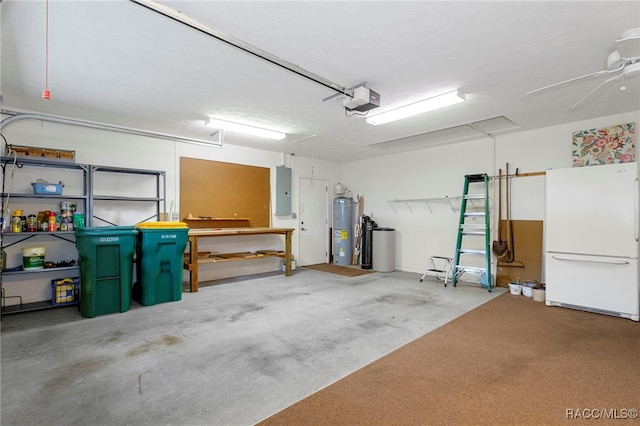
{"points": [[439, 171], [101, 147], [430, 173]]}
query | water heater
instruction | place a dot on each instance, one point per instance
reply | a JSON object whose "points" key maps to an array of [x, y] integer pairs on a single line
{"points": [[342, 247]]}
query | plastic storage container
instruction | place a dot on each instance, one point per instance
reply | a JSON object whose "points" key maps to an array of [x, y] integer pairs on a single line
{"points": [[106, 269], [47, 188], [65, 291], [160, 252]]}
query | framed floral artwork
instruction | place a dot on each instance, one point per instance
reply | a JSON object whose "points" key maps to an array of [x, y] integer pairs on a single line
{"points": [[615, 144]]}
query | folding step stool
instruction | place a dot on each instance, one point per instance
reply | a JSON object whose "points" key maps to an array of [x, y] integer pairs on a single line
{"points": [[440, 267], [470, 211]]}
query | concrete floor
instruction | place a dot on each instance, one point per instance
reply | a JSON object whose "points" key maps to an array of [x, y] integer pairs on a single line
{"points": [[231, 354]]}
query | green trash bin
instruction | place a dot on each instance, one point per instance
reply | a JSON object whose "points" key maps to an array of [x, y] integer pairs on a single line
{"points": [[106, 269], [159, 254]]}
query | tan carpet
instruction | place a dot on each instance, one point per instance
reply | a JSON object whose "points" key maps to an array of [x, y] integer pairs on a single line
{"points": [[338, 269], [511, 361]]}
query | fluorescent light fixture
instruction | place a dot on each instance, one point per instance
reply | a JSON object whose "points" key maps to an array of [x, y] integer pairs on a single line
{"points": [[243, 128], [416, 108]]}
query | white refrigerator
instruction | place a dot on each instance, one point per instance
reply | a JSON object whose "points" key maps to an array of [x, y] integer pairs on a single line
{"points": [[592, 229]]}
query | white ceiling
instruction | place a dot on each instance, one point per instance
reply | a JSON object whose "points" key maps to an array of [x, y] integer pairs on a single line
{"points": [[119, 63]]}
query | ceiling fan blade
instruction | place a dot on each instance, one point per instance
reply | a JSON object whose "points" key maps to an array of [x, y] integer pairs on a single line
{"points": [[596, 88], [632, 69], [629, 44], [593, 74]]}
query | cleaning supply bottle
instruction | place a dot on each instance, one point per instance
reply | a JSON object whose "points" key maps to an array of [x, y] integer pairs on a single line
{"points": [[5, 220]]}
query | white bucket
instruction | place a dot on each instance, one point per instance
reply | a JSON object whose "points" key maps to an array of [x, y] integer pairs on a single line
{"points": [[33, 258], [515, 288], [527, 291], [539, 295]]}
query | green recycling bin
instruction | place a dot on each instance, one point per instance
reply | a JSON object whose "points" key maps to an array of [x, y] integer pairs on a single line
{"points": [[159, 253], [106, 269]]}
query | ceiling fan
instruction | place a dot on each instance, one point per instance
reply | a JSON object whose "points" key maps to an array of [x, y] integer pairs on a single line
{"points": [[622, 62]]}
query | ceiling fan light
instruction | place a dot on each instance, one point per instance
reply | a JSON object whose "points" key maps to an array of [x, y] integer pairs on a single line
{"points": [[416, 108], [244, 129]]}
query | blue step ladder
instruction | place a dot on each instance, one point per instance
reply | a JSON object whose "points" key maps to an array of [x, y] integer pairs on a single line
{"points": [[473, 243]]}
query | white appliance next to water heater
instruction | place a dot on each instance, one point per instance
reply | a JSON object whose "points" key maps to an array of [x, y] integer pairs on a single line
{"points": [[592, 239]]}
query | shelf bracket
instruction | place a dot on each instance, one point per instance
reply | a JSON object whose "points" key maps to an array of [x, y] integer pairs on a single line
{"points": [[63, 238], [19, 241], [453, 208], [104, 220], [408, 206]]}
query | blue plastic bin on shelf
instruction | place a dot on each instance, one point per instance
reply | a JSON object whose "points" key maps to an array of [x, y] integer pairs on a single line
{"points": [[160, 251], [47, 188], [106, 269]]}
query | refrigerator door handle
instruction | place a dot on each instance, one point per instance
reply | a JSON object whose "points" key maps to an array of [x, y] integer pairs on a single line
{"points": [[636, 210], [590, 260]]}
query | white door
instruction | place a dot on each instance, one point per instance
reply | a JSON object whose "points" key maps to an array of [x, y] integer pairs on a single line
{"points": [[313, 240]]}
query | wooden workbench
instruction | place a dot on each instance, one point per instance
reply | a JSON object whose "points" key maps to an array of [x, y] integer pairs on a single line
{"points": [[195, 234]]}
